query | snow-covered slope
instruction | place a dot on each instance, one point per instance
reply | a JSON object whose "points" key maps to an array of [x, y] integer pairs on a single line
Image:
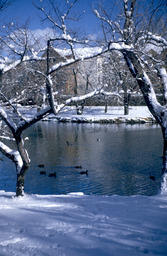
{"points": [[79, 225]]}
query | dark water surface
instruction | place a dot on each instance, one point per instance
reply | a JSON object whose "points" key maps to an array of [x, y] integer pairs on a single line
{"points": [[120, 159]]}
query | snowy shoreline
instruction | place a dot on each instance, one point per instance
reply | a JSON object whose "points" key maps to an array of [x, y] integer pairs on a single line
{"points": [[95, 114]]}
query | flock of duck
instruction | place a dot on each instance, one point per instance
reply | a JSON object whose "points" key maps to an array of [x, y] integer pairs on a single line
{"points": [[53, 174]]}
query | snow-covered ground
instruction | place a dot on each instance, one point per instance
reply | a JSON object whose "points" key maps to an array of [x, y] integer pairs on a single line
{"points": [[76, 224], [137, 114]]}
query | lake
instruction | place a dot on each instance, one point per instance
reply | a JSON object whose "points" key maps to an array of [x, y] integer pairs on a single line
{"points": [[114, 159]]}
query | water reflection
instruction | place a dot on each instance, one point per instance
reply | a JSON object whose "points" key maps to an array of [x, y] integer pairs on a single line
{"points": [[119, 158]]}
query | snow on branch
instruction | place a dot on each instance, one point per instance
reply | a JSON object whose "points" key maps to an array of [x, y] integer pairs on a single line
{"points": [[86, 56], [69, 39], [60, 65], [60, 25], [13, 155], [138, 71], [80, 98], [114, 25], [62, 33], [69, 8], [37, 117], [130, 65], [163, 76], [153, 39], [19, 44], [150, 93], [158, 39], [83, 97], [12, 105], [6, 118], [7, 138], [6, 66]]}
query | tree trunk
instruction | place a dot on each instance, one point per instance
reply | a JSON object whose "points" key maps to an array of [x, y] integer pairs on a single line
{"points": [[126, 109], [164, 163], [87, 84], [106, 105], [75, 83], [20, 181], [126, 103], [0, 79], [26, 163]]}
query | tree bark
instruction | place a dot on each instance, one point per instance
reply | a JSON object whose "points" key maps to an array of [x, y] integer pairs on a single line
{"points": [[126, 103], [75, 82], [26, 163], [164, 162], [20, 181], [145, 85], [106, 105]]}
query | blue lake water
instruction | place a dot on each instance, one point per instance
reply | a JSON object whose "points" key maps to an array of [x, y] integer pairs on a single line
{"points": [[119, 158]]}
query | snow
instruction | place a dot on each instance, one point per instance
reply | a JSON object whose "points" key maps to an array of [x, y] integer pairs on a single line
{"points": [[137, 114], [76, 224], [80, 52], [129, 14], [120, 46], [13, 154], [6, 117], [158, 39], [163, 74], [3, 113], [60, 65]]}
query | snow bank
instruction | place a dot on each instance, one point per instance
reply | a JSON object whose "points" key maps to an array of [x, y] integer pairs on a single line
{"points": [[137, 114], [96, 114], [79, 225]]}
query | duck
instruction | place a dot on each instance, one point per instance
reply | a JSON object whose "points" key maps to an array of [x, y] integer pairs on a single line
{"points": [[52, 174], [41, 165], [152, 177], [78, 166], [43, 173], [84, 172]]}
